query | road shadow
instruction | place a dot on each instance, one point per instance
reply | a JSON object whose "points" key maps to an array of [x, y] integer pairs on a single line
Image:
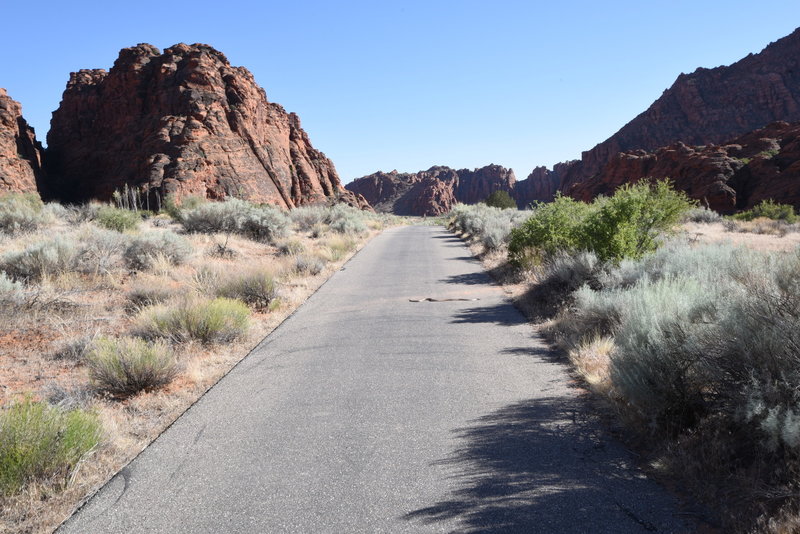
{"points": [[535, 466], [502, 314], [470, 279]]}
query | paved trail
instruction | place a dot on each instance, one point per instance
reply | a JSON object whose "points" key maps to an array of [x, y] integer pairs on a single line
{"points": [[365, 412]]}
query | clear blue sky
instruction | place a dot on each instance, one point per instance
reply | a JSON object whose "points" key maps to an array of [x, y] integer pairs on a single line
{"points": [[385, 85]]}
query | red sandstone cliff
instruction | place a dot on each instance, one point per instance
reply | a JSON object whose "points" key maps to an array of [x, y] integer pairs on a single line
{"points": [[20, 152], [707, 106], [763, 164], [431, 192], [182, 122]]}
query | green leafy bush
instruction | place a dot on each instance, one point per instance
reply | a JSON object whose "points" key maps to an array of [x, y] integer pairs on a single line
{"points": [[208, 321], [500, 199], [143, 249], [118, 219], [771, 210], [555, 226], [628, 224], [256, 288], [125, 366], [41, 442]]}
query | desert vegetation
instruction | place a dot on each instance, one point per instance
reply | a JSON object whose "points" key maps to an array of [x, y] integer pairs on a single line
{"points": [[692, 343], [115, 319]]}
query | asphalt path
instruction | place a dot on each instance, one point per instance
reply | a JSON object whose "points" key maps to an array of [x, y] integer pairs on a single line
{"points": [[367, 412]]}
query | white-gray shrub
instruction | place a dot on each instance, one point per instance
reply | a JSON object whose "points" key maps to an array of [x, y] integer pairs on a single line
{"points": [[144, 248], [44, 258], [23, 213]]}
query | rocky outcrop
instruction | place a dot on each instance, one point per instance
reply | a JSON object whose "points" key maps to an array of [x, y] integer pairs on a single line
{"points": [[20, 152], [431, 192], [182, 122], [763, 164], [705, 107]]}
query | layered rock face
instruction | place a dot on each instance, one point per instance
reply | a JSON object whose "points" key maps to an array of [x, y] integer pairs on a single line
{"points": [[763, 164], [20, 152], [707, 106], [182, 122], [431, 192]]}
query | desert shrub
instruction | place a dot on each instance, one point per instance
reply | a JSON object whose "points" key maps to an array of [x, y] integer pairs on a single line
{"points": [[73, 349], [702, 214], [175, 209], [118, 219], [125, 366], [628, 224], [41, 442], [345, 219], [488, 225], [209, 321], [265, 223], [256, 288], [305, 264], [339, 247], [214, 217], [556, 226], [81, 213], [10, 290], [500, 199], [23, 212], [144, 249], [148, 292], [307, 217], [261, 223], [291, 248], [57, 211], [755, 351], [42, 259], [100, 249], [658, 367], [771, 210], [349, 225]]}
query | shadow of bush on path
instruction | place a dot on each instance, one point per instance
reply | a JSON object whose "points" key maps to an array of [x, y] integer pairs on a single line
{"points": [[540, 466]]}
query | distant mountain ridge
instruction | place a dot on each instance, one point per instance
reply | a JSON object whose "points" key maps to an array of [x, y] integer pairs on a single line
{"points": [[704, 107]]}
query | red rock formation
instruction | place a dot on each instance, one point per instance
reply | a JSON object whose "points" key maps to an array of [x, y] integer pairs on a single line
{"points": [[20, 152], [431, 192], [763, 164], [182, 122], [707, 106], [475, 186]]}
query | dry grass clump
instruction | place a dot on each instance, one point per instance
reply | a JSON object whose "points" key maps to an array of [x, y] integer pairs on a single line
{"points": [[150, 290], [220, 320], [39, 442], [311, 265], [125, 366], [255, 287]]}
